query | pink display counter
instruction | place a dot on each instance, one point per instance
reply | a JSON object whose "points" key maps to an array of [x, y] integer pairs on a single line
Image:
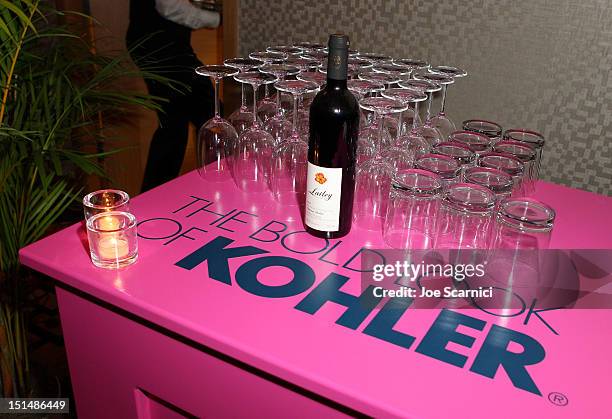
{"points": [[233, 311]]}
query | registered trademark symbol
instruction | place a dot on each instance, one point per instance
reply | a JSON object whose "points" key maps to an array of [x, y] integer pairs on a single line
{"points": [[558, 399]]}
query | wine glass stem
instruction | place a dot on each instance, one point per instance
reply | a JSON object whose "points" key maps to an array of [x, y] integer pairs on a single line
{"points": [[400, 118], [381, 132], [443, 102], [216, 97], [266, 91], [243, 100], [295, 114], [416, 115], [255, 104], [429, 100]]}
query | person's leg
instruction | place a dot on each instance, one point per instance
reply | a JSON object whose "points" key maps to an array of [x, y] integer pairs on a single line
{"points": [[201, 100], [169, 141]]}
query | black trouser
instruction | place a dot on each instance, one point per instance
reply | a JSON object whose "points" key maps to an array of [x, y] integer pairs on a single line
{"points": [[196, 105]]}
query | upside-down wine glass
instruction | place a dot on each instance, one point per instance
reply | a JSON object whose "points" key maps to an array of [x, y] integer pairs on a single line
{"points": [[318, 55], [413, 63], [375, 58], [266, 108], [278, 126], [411, 142], [241, 118], [290, 157], [368, 133], [253, 151], [441, 121], [309, 46], [289, 50], [354, 67], [444, 125], [431, 134], [217, 136], [373, 177], [305, 65]]}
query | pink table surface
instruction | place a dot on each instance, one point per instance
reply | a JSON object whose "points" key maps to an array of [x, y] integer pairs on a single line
{"points": [[365, 373]]}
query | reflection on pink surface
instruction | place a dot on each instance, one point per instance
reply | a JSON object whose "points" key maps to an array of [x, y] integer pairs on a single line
{"points": [[377, 357]]}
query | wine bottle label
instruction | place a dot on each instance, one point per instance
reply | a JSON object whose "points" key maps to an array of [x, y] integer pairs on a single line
{"points": [[323, 198]]}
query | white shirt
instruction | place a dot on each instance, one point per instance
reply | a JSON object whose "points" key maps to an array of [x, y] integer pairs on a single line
{"points": [[186, 14]]}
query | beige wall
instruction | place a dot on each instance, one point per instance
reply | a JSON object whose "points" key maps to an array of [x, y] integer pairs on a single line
{"points": [[536, 64]]}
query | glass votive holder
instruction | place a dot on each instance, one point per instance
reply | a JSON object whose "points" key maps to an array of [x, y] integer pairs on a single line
{"points": [[526, 154], [412, 211], [481, 126], [448, 169], [465, 216], [457, 151], [112, 246], [508, 164], [478, 143], [106, 200], [496, 181]]}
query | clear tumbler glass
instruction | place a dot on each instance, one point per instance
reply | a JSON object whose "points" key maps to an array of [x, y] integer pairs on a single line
{"points": [[465, 217], [414, 200], [523, 223], [447, 168], [496, 181]]}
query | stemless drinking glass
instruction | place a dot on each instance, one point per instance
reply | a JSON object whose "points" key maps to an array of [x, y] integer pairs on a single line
{"points": [[290, 157], [507, 164], [414, 200], [523, 223], [116, 246], [278, 126], [104, 201], [465, 217], [253, 152], [373, 177], [526, 154], [457, 151], [439, 121], [427, 130], [241, 118], [445, 167], [481, 126], [496, 181], [217, 137], [478, 143], [532, 138]]}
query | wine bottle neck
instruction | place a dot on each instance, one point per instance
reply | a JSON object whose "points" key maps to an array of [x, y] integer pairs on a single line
{"points": [[336, 84]]}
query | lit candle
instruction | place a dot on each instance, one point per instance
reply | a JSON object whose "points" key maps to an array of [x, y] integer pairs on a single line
{"points": [[112, 247], [108, 223]]}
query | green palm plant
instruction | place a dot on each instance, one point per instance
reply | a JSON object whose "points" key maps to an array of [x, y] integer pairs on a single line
{"points": [[55, 90]]}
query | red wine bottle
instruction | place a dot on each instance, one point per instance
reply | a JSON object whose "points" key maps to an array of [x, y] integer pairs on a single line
{"points": [[332, 149]]}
